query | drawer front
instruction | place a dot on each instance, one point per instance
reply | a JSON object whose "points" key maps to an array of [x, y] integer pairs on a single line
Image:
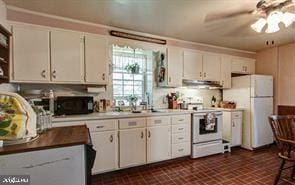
{"points": [[102, 125], [181, 128], [155, 121], [181, 149], [180, 138], [132, 123], [236, 115], [181, 119], [200, 150]]}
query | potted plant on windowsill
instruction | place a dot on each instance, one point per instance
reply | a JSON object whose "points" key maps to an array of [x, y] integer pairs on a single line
{"points": [[132, 68], [132, 101]]}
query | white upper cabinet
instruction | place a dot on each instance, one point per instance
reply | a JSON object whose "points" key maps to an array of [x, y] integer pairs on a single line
{"points": [[225, 72], [31, 59], [211, 67], [243, 65], [67, 57], [175, 66], [96, 59], [192, 65]]}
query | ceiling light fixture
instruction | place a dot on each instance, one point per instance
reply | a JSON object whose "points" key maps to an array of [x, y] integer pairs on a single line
{"points": [[273, 20]]}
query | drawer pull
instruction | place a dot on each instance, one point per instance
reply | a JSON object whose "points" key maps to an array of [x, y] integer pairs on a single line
{"points": [[180, 128], [132, 123], [158, 121], [181, 120], [180, 138], [111, 138], [180, 150], [99, 126], [141, 135]]}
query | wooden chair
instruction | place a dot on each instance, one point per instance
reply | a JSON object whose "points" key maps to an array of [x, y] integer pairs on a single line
{"points": [[283, 128]]}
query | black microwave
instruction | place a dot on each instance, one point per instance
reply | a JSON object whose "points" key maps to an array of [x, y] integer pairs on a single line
{"points": [[69, 105]]}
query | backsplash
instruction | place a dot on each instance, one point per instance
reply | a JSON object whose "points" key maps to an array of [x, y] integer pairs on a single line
{"points": [[158, 96]]}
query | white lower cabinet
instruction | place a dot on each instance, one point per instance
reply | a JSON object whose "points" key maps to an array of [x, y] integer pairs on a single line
{"points": [[105, 144], [158, 143], [232, 127], [132, 142], [132, 147], [181, 136]]}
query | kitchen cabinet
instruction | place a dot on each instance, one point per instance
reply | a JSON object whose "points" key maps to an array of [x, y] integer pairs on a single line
{"points": [[67, 57], [201, 66], [175, 66], [105, 144], [158, 139], [225, 69], [96, 59], [211, 67], [132, 147], [232, 127], [181, 134], [242, 65], [31, 54], [104, 136], [192, 65]]}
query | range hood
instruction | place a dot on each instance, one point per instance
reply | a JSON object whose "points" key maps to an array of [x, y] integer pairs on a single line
{"points": [[201, 84]]}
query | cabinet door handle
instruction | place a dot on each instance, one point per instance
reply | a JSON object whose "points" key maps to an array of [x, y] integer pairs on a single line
{"points": [[142, 135], [54, 74], [205, 75], [180, 150], [111, 138], [99, 126], [200, 74], [234, 124], [246, 69], [43, 74], [103, 76], [149, 134]]}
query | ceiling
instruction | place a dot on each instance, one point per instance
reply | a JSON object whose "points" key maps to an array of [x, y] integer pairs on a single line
{"points": [[180, 19]]}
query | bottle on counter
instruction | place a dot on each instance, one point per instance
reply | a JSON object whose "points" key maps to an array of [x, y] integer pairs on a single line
{"points": [[51, 102]]}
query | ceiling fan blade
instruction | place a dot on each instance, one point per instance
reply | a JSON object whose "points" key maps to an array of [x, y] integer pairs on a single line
{"points": [[237, 26], [225, 15]]}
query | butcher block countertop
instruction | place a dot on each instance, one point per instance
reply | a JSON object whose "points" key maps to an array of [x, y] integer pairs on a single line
{"points": [[54, 138]]}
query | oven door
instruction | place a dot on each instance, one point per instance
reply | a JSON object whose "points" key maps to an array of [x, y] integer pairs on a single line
{"points": [[201, 133]]}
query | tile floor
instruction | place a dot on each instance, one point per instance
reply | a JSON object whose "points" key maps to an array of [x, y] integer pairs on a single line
{"points": [[239, 167]]}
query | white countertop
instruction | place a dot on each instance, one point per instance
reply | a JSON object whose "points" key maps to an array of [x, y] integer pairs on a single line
{"points": [[227, 110], [118, 115]]}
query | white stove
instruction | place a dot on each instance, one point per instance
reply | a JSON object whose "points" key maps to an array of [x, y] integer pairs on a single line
{"points": [[206, 133]]}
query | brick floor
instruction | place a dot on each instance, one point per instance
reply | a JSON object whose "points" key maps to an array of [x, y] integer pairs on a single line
{"points": [[239, 167]]}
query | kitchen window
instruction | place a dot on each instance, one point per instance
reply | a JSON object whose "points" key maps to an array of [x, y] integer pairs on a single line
{"points": [[126, 82]]}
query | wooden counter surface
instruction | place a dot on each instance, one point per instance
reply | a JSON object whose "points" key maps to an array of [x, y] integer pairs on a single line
{"points": [[53, 138]]}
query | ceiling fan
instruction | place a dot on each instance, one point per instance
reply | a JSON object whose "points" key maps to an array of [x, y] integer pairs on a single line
{"points": [[266, 17]]}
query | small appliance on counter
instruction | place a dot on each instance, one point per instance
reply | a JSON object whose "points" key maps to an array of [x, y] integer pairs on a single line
{"points": [[70, 105], [17, 119]]}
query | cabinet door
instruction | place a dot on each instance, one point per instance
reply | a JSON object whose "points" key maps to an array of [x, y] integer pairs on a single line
{"points": [[96, 59], [192, 65], [211, 67], [158, 143], [225, 72], [243, 65], [67, 56], [175, 66], [30, 54], [236, 139], [132, 147], [106, 144]]}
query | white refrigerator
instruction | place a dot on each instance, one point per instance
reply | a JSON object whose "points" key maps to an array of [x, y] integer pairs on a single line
{"points": [[253, 93]]}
